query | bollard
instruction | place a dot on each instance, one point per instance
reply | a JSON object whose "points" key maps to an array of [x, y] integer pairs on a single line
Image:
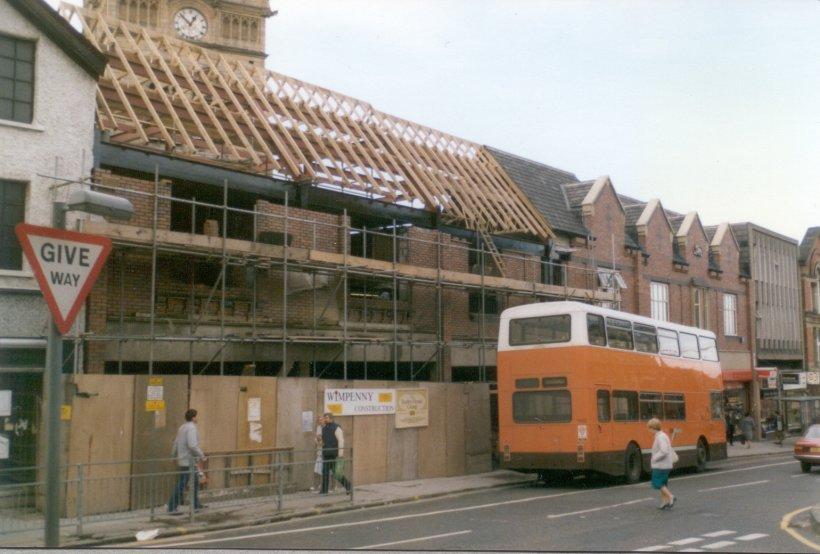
{"points": [[281, 482], [350, 473], [80, 487], [191, 487]]}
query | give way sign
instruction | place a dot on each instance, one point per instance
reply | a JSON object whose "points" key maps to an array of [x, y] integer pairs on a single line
{"points": [[66, 265]]}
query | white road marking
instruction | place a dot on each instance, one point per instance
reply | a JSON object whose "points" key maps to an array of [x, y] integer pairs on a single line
{"points": [[651, 548], [554, 516], [417, 539], [683, 542], [719, 544], [447, 511], [735, 486], [715, 534], [691, 550], [751, 537]]}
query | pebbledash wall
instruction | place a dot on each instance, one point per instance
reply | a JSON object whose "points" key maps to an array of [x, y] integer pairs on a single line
{"points": [[456, 440], [58, 141]]}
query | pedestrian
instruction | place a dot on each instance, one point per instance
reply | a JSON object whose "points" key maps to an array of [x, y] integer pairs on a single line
{"points": [[730, 429], [778, 428], [317, 467], [333, 447], [663, 458], [747, 428], [186, 450]]}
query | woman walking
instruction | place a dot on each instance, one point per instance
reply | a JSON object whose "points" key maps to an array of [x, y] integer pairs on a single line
{"points": [[663, 458]]}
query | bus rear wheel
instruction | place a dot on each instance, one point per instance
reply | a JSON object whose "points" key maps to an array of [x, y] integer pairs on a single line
{"points": [[702, 454], [632, 463]]}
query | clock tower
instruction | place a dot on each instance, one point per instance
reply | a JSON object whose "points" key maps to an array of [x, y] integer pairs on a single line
{"points": [[235, 28]]}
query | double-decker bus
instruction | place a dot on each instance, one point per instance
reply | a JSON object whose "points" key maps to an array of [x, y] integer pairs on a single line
{"points": [[577, 384]]}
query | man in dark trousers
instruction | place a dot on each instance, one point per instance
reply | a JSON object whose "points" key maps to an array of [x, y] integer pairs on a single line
{"points": [[333, 445], [186, 450]]}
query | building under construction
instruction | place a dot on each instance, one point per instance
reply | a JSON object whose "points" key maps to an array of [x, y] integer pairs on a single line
{"points": [[285, 229]]}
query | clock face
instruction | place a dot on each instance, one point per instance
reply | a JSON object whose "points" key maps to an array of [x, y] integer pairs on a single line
{"points": [[190, 24]]}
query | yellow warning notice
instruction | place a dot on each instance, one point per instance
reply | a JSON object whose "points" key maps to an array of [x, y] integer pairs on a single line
{"points": [[65, 412], [155, 381], [154, 405]]}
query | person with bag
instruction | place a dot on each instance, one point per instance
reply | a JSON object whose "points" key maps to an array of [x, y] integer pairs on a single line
{"points": [[663, 458], [333, 444], [186, 449]]}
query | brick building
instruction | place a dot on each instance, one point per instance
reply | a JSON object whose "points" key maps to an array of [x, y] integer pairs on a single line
{"points": [[809, 259]]}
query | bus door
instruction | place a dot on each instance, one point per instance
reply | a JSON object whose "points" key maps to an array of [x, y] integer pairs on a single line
{"points": [[603, 418]]}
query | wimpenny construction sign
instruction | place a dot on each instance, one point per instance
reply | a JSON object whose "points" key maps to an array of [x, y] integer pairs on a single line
{"points": [[348, 402]]}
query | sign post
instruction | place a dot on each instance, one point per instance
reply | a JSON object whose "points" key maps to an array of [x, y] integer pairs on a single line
{"points": [[66, 265]]}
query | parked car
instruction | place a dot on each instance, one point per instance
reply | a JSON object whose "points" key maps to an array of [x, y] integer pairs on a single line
{"points": [[807, 449]]}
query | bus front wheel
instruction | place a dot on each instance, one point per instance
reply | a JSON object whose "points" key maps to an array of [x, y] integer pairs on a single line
{"points": [[632, 463]]}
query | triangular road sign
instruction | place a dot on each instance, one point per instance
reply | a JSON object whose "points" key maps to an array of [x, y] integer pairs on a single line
{"points": [[66, 265]]}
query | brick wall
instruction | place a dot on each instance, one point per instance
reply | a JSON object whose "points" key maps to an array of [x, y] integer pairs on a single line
{"points": [[139, 189]]}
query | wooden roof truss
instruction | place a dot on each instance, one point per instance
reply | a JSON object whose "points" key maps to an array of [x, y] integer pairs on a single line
{"points": [[162, 93]]}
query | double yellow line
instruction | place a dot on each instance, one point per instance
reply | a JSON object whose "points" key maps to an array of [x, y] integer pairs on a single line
{"points": [[786, 521]]}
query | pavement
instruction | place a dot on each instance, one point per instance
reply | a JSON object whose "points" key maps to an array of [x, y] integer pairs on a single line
{"points": [[221, 516]]}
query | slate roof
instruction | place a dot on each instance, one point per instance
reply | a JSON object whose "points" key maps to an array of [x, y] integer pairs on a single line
{"points": [[807, 242], [675, 220], [576, 192], [633, 212], [710, 231], [542, 185], [66, 37]]}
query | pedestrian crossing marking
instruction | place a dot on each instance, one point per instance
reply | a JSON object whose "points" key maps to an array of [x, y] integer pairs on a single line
{"points": [[715, 534], [719, 544], [751, 537], [684, 542]]}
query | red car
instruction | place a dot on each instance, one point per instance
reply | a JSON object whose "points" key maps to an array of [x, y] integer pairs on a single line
{"points": [[807, 449]]}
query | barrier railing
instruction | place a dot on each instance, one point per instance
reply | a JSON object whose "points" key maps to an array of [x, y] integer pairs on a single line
{"points": [[104, 491]]}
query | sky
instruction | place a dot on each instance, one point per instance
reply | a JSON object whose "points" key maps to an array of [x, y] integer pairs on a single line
{"points": [[710, 106]]}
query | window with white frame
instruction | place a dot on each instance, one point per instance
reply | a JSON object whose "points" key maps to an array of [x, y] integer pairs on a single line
{"points": [[700, 313], [659, 300], [730, 315]]}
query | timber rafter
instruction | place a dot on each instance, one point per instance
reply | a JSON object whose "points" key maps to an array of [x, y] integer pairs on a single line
{"points": [[166, 94]]}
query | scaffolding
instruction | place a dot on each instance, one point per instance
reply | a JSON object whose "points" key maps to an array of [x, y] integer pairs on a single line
{"points": [[400, 289]]}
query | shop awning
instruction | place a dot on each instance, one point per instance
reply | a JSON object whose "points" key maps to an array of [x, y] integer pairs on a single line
{"points": [[746, 374]]}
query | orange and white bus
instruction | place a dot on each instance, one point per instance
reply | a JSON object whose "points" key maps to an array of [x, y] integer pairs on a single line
{"points": [[577, 384]]}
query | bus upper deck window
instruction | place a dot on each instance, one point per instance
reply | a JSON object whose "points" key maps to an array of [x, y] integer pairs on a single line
{"points": [[619, 333], [595, 330], [668, 342], [708, 349], [689, 346], [646, 339], [540, 330]]}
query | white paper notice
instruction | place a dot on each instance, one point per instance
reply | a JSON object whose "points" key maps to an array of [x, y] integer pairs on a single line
{"points": [[5, 403], [154, 392], [255, 410], [307, 422], [255, 432], [4, 448]]}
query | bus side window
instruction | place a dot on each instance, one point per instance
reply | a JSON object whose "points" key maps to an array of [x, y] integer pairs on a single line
{"points": [[716, 404], [646, 338], [689, 346], [625, 405], [650, 405], [619, 333], [604, 411], [668, 342], [708, 349], [674, 406], [596, 330]]}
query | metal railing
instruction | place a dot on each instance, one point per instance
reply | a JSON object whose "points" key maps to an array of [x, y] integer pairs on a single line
{"points": [[105, 491]]}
